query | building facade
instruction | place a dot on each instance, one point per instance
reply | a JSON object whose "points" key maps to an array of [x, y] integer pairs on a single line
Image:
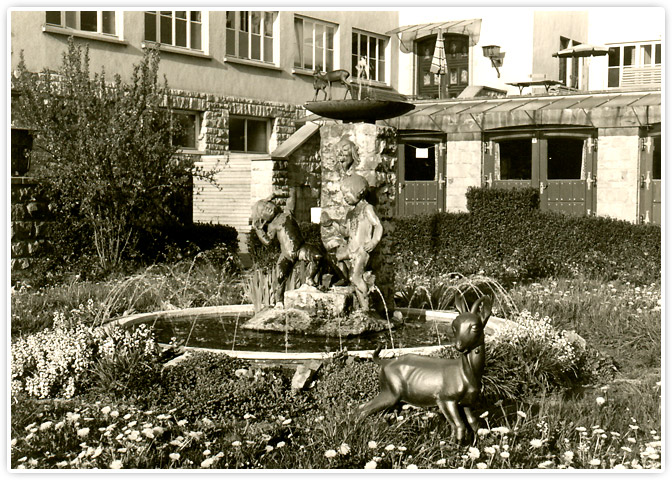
{"points": [[238, 78], [525, 117]]}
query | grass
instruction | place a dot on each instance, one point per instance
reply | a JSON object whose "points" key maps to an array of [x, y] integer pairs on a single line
{"points": [[603, 426]]}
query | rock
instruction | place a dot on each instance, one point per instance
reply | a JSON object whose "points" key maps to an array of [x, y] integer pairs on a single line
{"points": [[303, 374], [336, 302]]}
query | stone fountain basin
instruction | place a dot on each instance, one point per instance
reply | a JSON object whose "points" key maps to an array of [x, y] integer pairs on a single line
{"points": [[365, 110], [291, 358]]}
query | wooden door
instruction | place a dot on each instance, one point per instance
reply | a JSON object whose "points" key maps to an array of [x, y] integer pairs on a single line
{"points": [[421, 180], [511, 161], [567, 177], [650, 185]]}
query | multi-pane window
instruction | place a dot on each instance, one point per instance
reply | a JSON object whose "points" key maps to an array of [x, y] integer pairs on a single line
{"points": [[186, 125], [569, 72], [248, 134], [631, 65], [175, 28], [89, 21], [249, 35], [314, 44], [372, 47]]}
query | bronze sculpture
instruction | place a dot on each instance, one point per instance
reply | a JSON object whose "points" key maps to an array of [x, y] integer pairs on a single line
{"points": [[323, 80], [451, 384], [268, 222], [362, 231]]}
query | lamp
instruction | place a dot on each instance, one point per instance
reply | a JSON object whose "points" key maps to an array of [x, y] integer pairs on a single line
{"points": [[496, 57]]}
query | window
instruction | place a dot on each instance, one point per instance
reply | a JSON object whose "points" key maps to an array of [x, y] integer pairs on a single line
{"points": [[249, 35], [248, 134], [565, 158], [633, 65], [420, 161], [103, 22], [187, 126], [569, 68], [515, 159], [372, 47], [314, 44], [176, 28]]}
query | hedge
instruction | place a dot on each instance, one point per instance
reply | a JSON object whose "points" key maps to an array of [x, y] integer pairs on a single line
{"points": [[505, 235]]}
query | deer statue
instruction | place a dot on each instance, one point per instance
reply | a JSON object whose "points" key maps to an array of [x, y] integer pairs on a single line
{"points": [[322, 80], [451, 384]]}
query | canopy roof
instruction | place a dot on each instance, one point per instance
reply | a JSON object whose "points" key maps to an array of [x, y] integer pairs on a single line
{"points": [[410, 33]]}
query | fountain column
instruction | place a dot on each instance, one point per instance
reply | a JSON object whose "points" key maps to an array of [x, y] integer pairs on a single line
{"points": [[377, 151]]}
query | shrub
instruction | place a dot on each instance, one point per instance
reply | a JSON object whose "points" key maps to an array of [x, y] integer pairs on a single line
{"points": [[528, 357], [345, 380], [127, 361], [206, 384], [106, 158], [495, 201]]}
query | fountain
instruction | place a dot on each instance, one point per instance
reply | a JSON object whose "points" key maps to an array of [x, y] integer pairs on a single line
{"points": [[352, 306]]}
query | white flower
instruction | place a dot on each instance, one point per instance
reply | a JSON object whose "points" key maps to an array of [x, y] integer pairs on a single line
{"points": [[484, 414], [206, 452], [287, 422], [181, 423], [441, 461], [114, 414], [83, 432], [474, 453], [580, 429], [600, 400], [481, 465], [372, 465], [207, 463], [280, 445], [568, 456], [344, 449], [269, 448], [536, 443], [501, 430], [482, 432], [148, 432], [236, 443], [402, 449], [174, 456], [45, 426], [522, 414], [620, 466], [546, 464], [412, 466], [390, 447], [106, 410], [595, 462], [372, 444], [489, 450], [127, 416], [505, 454], [330, 453]]}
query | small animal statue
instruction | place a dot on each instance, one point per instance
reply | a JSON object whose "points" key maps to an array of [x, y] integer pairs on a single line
{"points": [[451, 384], [363, 68], [323, 80]]}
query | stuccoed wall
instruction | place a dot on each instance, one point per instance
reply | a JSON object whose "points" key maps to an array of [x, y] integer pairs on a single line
{"points": [[377, 149]]}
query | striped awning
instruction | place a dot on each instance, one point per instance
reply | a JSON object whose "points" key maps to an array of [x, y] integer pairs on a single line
{"points": [[410, 33]]}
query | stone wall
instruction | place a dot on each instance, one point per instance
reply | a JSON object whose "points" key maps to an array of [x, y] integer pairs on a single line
{"points": [[463, 170], [304, 177], [30, 224]]}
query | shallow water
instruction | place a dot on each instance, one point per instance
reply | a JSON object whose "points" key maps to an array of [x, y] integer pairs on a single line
{"points": [[224, 332]]}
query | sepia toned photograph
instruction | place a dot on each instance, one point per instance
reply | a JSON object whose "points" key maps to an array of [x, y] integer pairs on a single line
{"points": [[335, 239]]}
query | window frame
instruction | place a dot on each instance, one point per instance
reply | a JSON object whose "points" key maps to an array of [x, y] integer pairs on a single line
{"points": [[158, 14], [236, 53], [299, 49], [386, 50], [637, 62], [76, 31], [197, 128], [257, 119]]}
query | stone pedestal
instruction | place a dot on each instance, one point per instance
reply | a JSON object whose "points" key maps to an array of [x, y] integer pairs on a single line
{"points": [[377, 152], [310, 311]]}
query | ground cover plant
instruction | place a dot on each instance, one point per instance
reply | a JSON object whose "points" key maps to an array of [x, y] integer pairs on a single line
{"points": [[588, 416]]}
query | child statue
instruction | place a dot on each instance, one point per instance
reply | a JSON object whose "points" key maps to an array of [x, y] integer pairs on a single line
{"points": [[269, 222], [346, 154], [362, 230]]}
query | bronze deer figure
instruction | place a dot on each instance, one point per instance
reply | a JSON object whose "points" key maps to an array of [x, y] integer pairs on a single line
{"points": [[451, 384], [323, 80]]}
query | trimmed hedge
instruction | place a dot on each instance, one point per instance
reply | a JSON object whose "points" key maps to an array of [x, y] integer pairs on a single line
{"points": [[522, 243]]}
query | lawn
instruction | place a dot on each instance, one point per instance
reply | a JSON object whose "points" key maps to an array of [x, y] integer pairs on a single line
{"points": [[603, 412]]}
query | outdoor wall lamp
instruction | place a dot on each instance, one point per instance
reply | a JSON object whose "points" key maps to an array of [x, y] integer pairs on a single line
{"points": [[496, 57]]}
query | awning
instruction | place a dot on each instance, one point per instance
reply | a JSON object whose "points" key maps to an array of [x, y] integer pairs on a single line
{"points": [[297, 139], [582, 50], [410, 33]]}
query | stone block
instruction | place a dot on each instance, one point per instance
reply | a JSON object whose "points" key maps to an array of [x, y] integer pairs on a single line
{"points": [[19, 249], [18, 211], [21, 230], [304, 373], [336, 302]]}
